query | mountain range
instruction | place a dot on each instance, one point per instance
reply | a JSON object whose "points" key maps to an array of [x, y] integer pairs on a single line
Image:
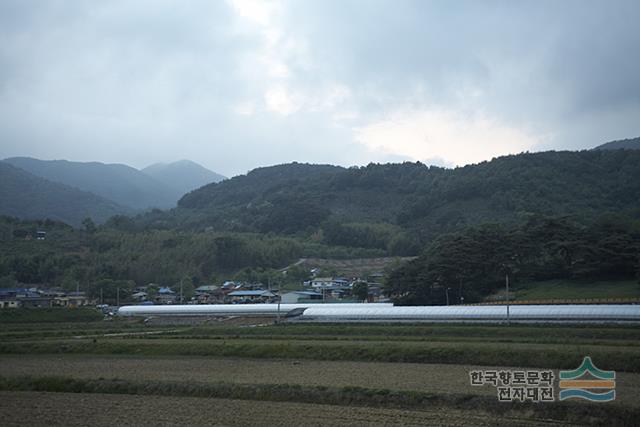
{"points": [[94, 189], [362, 206], [27, 196]]}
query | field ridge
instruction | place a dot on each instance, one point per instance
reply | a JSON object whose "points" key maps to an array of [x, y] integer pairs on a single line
{"points": [[347, 396]]}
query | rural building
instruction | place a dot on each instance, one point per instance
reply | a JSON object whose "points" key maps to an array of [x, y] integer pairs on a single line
{"points": [[259, 295], [9, 296], [207, 288], [297, 297], [23, 297], [165, 296], [230, 285], [9, 303], [71, 299], [209, 294], [329, 282], [35, 300], [139, 296]]}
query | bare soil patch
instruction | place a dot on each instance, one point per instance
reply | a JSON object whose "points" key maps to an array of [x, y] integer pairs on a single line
{"points": [[73, 409], [435, 378]]}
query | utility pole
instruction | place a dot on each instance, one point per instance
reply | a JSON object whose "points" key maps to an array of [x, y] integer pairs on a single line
{"points": [[279, 301], [507, 286], [118, 296], [181, 300], [101, 297], [446, 292]]}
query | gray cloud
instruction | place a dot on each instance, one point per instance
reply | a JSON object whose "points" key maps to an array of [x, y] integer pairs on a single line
{"points": [[236, 87]]}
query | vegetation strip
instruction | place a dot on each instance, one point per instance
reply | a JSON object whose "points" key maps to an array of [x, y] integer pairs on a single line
{"points": [[160, 335], [557, 357], [577, 334], [346, 396], [611, 335]]}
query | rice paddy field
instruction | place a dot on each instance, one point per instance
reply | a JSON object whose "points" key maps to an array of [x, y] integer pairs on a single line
{"points": [[253, 372]]}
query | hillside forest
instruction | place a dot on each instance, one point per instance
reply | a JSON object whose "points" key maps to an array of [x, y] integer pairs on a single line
{"points": [[533, 216]]}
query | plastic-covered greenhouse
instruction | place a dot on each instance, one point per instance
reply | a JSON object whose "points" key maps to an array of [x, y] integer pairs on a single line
{"points": [[224, 309], [532, 313], [389, 313]]}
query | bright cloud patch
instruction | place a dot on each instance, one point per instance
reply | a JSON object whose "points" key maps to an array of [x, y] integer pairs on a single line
{"points": [[281, 100], [456, 138], [259, 12]]}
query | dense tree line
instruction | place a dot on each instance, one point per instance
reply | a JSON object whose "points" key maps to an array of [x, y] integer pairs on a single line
{"points": [[358, 206], [473, 263], [389, 238], [110, 257]]}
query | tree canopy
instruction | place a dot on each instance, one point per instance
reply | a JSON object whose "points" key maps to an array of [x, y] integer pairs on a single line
{"points": [[473, 263]]}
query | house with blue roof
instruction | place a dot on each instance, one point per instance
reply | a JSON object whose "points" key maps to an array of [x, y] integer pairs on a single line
{"points": [[166, 295]]}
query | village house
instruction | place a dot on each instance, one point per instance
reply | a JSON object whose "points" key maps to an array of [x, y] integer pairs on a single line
{"points": [[329, 282], [253, 296], [139, 296], [209, 294], [165, 295], [71, 299], [41, 298]]}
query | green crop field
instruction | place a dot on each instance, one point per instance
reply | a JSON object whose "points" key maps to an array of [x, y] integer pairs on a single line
{"points": [[49, 315], [394, 373]]}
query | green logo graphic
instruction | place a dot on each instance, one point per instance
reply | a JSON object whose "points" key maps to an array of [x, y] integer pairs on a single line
{"points": [[571, 386]]}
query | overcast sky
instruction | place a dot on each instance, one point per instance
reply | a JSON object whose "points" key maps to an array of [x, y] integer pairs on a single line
{"points": [[239, 84]]}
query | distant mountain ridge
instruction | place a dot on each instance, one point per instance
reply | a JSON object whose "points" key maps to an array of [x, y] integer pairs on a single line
{"points": [[27, 196], [623, 144], [183, 176], [122, 184], [158, 186]]}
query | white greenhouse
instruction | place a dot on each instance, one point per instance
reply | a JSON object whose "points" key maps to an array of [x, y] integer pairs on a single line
{"points": [[225, 309], [522, 313], [388, 313]]}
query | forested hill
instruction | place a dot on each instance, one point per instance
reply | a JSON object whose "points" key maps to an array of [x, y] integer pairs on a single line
{"points": [[623, 144], [423, 201], [28, 196]]}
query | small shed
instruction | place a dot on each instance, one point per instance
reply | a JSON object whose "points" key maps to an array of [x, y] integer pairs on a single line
{"points": [[207, 288], [297, 297]]}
